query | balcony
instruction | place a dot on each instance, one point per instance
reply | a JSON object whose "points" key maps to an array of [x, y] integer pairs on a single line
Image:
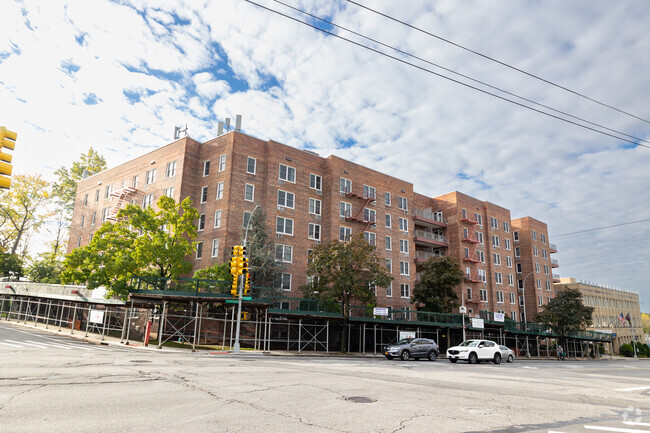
{"points": [[429, 219], [423, 256], [422, 237], [472, 258], [470, 240], [554, 263], [468, 220], [371, 195], [552, 248], [556, 278], [473, 278]]}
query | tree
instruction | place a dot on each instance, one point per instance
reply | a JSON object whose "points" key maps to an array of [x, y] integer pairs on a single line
{"points": [[143, 242], [435, 288], [566, 313], [217, 272], [23, 210], [11, 266], [645, 320], [344, 273], [263, 268], [46, 269], [65, 188]]}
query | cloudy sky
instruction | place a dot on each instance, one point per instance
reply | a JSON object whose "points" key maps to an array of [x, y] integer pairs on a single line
{"points": [[118, 76]]}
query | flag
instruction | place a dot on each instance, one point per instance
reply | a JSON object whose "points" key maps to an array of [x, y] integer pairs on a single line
{"points": [[621, 318], [628, 318]]}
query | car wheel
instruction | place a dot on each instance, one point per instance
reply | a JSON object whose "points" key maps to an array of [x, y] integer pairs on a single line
{"points": [[453, 361], [473, 359], [497, 358], [389, 357], [405, 355], [433, 355], [511, 358]]}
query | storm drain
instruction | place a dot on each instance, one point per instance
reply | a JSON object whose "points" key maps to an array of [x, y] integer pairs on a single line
{"points": [[360, 400]]}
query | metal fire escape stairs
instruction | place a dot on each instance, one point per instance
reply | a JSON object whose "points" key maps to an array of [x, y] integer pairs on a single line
{"points": [[122, 197], [472, 240], [358, 215]]}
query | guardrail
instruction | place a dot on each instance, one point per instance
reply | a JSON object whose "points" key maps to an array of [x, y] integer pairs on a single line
{"points": [[433, 216], [430, 235]]}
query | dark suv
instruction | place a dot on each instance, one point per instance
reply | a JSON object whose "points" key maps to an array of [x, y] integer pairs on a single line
{"points": [[417, 348]]}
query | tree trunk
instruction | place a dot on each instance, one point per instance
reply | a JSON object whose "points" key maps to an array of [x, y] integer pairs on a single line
{"points": [[344, 335]]}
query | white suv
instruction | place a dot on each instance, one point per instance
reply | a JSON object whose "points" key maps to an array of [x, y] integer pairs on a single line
{"points": [[474, 351]]}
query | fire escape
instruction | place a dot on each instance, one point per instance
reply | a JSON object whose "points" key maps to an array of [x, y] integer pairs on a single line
{"points": [[471, 259], [122, 197], [360, 216]]}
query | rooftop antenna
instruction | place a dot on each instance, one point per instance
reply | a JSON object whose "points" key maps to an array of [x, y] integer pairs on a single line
{"points": [[228, 126], [178, 130]]}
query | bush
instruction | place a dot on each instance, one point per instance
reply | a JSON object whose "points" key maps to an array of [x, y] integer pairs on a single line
{"points": [[643, 350], [601, 349], [626, 350]]}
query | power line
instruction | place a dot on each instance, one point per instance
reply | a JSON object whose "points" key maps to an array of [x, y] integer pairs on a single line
{"points": [[600, 228], [444, 76], [457, 73], [497, 61]]}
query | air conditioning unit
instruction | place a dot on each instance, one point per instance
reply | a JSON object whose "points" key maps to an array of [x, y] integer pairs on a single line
{"points": [[318, 217], [319, 192], [317, 242], [280, 181], [278, 235], [280, 207]]}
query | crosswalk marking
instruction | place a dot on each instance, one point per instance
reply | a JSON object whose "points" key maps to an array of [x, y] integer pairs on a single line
{"points": [[51, 345], [40, 346], [9, 344], [615, 429], [637, 388]]}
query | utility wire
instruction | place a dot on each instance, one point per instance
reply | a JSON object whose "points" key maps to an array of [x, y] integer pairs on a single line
{"points": [[457, 73], [443, 76], [496, 61], [601, 228]]}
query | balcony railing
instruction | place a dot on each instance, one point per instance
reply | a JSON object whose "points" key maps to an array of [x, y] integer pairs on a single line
{"points": [[556, 276], [426, 255], [432, 216], [554, 263], [430, 235], [552, 247]]}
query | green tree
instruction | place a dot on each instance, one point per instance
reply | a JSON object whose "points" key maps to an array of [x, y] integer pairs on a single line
{"points": [[435, 288], [263, 268], [65, 188], [566, 314], [11, 266], [626, 350], [143, 242], [645, 320], [344, 273], [217, 272], [46, 269], [23, 210]]}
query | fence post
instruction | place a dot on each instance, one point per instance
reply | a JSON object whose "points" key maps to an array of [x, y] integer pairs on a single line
{"points": [[196, 321], [61, 316], [87, 320], [74, 319], [106, 313], [38, 307], [232, 321], [161, 327], [299, 335]]}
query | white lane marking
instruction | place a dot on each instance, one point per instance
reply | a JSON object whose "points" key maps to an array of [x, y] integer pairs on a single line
{"points": [[615, 429], [9, 344], [636, 388], [40, 346], [645, 424], [554, 431]]}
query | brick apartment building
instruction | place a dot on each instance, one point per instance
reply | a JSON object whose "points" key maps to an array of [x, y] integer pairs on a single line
{"points": [[309, 199]]}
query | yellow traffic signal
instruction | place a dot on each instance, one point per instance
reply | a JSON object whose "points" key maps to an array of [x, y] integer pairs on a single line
{"points": [[245, 315], [233, 288], [233, 267], [242, 265], [247, 284], [8, 140]]}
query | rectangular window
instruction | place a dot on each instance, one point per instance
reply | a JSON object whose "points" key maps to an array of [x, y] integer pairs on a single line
{"points": [[93, 218], [222, 163], [109, 190], [249, 192], [511, 280], [481, 256], [469, 293], [521, 302], [506, 227], [542, 238], [403, 224], [169, 192], [548, 285], [369, 192], [494, 223], [171, 169], [247, 218], [389, 243], [539, 284], [404, 246], [90, 237], [251, 165], [388, 220], [497, 259], [389, 266], [405, 291], [389, 290], [314, 232], [79, 242], [284, 226], [498, 277], [387, 198], [315, 182], [540, 300], [518, 266], [404, 268], [150, 177], [283, 253], [204, 194], [314, 206], [535, 251], [495, 241], [369, 215], [287, 174], [512, 298], [499, 297], [201, 224], [345, 185], [217, 218], [507, 242], [371, 238], [484, 296], [403, 203], [515, 236], [509, 261], [219, 190], [135, 182], [86, 200], [479, 219], [215, 247], [481, 275], [284, 282], [206, 168], [344, 233], [517, 253], [537, 267], [147, 201], [83, 220], [286, 199], [96, 196], [345, 209], [199, 250], [546, 270], [545, 254], [534, 235], [479, 237]]}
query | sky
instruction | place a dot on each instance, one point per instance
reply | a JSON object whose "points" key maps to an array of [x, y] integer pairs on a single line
{"points": [[118, 76]]}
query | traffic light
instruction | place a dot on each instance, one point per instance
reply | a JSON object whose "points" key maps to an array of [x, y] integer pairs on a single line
{"points": [[234, 271], [247, 285], [245, 315], [8, 140], [242, 265]]}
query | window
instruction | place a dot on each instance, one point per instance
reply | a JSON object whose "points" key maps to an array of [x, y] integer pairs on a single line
{"points": [[497, 259], [509, 261], [545, 254], [344, 233], [389, 290], [546, 270], [169, 192], [150, 177], [483, 293], [388, 220], [222, 163], [217, 218], [539, 284], [517, 253], [540, 300], [314, 232], [389, 266], [535, 251], [371, 238], [86, 200], [201, 224], [537, 267], [345, 185], [511, 280], [219, 190], [405, 290], [315, 182], [286, 199], [287, 174], [83, 220], [284, 282], [249, 192], [109, 190], [215, 247], [135, 182], [206, 168], [465, 233], [96, 196], [79, 242], [404, 268], [147, 200], [284, 226], [515, 236], [247, 218], [387, 198], [314, 206], [506, 227], [345, 209], [498, 277], [90, 237], [369, 192], [512, 298], [403, 203], [283, 253], [469, 293], [204, 194], [542, 238], [92, 219], [520, 284], [389, 243], [507, 242], [494, 223], [480, 255], [369, 215], [548, 285], [534, 235], [521, 302], [171, 169], [251, 165], [481, 275], [479, 219], [403, 224], [199, 250], [499, 297], [495, 241], [404, 246], [518, 266]]}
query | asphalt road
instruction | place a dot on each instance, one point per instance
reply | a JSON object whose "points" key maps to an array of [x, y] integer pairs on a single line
{"points": [[71, 386]]}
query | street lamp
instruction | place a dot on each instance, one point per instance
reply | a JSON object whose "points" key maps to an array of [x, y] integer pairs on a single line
{"points": [[236, 347], [523, 295]]}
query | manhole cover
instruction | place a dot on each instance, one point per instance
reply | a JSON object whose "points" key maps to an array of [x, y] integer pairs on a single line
{"points": [[360, 400], [140, 361]]}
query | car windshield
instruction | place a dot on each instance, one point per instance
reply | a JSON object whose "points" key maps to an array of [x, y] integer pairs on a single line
{"points": [[469, 343], [405, 341]]}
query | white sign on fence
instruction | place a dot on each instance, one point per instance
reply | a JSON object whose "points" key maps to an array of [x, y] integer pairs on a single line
{"points": [[96, 316], [499, 317], [406, 334], [378, 311], [477, 323]]}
